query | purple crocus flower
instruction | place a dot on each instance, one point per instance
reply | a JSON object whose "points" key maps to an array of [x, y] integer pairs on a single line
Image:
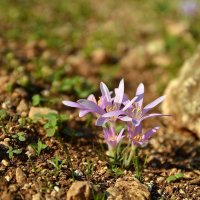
{"points": [[106, 104], [189, 7], [137, 137], [133, 111], [134, 108], [111, 137]]}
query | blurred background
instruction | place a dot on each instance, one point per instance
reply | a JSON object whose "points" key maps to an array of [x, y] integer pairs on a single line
{"points": [[63, 46]]}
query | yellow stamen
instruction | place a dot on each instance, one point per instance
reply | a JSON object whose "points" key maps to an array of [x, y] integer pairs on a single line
{"points": [[99, 101], [111, 108], [136, 111], [137, 138]]}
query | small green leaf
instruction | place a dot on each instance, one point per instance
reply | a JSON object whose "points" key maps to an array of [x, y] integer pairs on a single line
{"points": [[17, 151], [40, 147], [51, 131], [21, 136], [175, 177], [2, 114], [36, 100]]}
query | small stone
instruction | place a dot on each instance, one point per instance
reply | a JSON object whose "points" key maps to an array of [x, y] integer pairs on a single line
{"points": [[30, 151], [78, 173], [80, 190], [13, 188], [160, 179], [19, 93], [22, 107], [20, 176], [181, 191], [6, 140], [177, 28], [5, 162], [4, 145], [35, 111], [8, 178], [6, 105], [56, 188], [128, 188], [100, 56], [37, 196]]}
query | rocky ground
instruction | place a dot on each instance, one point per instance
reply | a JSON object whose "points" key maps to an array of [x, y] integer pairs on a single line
{"points": [[46, 150]]}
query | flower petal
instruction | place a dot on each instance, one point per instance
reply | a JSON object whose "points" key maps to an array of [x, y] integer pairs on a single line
{"points": [[153, 104], [138, 130], [140, 94], [120, 136], [119, 93], [153, 115], [125, 118], [83, 112], [90, 105], [72, 104], [101, 121], [129, 103], [91, 97], [113, 113], [105, 91], [149, 133]]}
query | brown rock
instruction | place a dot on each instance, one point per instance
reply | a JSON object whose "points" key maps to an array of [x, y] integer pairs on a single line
{"points": [[135, 58], [20, 176], [36, 111], [177, 28], [79, 65], [182, 97], [37, 196], [127, 188], [22, 107], [140, 56], [100, 56], [79, 190]]}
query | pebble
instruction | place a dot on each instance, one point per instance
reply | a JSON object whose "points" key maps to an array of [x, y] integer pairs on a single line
{"points": [[22, 107], [6, 140], [37, 196], [181, 191], [35, 111], [56, 188], [30, 151], [20, 176], [100, 56], [5, 162], [13, 188], [8, 178], [4, 145], [79, 190], [6, 105], [160, 179], [78, 173]]}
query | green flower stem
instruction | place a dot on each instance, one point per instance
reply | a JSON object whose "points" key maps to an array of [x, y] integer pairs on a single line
{"points": [[111, 152]]}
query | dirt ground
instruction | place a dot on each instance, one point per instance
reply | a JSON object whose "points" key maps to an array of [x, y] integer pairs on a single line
{"points": [[50, 53]]}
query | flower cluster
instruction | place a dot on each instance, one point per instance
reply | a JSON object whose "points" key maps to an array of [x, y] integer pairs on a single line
{"points": [[114, 106]]}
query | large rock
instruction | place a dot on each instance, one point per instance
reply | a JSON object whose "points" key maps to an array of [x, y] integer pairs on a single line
{"points": [[183, 96], [127, 188]]}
